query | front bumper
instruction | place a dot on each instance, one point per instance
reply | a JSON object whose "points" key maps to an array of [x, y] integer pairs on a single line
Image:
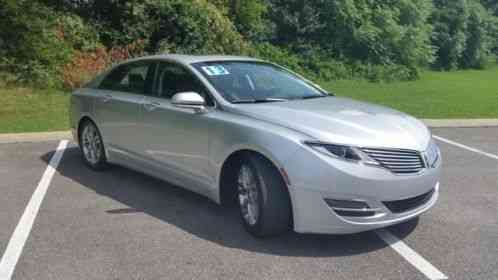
{"points": [[315, 177]]}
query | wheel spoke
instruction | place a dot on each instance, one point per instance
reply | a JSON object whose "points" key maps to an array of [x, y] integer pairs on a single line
{"points": [[248, 195]]}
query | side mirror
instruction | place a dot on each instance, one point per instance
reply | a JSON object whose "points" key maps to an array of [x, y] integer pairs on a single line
{"points": [[189, 100]]}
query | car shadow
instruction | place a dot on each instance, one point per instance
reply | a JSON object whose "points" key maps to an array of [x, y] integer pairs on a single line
{"points": [[205, 219]]}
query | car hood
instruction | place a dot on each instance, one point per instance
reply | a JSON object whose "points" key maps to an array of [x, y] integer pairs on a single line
{"points": [[343, 121]]}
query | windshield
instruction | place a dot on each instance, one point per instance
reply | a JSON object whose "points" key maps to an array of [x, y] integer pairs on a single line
{"points": [[250, 82]]}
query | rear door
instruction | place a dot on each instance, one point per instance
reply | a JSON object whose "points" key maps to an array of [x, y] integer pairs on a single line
{"points": [[118, 105]]}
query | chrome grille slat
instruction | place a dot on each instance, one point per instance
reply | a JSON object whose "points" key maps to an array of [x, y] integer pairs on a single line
{"points": [[404, 165], [403, 168], [407, 160], [394, 156], [397, 161], [387, 152], [401, 161]]}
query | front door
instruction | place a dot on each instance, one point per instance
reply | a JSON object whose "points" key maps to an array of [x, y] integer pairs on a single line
{"points": [[178, 138]]}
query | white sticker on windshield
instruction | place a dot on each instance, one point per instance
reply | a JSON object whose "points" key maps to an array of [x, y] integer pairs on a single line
{"points": [[215, 70]]}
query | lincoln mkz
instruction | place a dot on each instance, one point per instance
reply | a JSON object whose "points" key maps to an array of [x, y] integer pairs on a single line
{"points": [[248, 132]]}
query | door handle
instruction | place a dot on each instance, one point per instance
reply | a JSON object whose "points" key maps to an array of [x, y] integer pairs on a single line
{"points": [[151, 106], [106, 98]]}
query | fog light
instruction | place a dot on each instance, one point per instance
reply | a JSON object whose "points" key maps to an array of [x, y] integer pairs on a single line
{"points": [[351, 204], [350, 208]]}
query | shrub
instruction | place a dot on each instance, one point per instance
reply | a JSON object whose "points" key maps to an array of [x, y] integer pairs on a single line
{"points": [[85, 65], [78, 34], [478, 42], [316, 66], [34, 50], [193, 27], [449, 21], [277, 55], [381, 32]]}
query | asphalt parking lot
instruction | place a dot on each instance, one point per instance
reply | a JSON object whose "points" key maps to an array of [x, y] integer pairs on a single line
{"points": [[120, 224]]}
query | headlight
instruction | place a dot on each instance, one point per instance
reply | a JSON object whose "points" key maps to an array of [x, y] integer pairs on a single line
{"points": [[342, 152], [432, 154]]}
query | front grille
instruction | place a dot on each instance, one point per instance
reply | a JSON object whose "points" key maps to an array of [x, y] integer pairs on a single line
{"points": [[396, 160], [399, 206]]}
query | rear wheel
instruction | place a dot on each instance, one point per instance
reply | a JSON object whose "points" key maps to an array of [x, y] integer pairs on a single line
{"points": [[92, 146], [263, 198]]}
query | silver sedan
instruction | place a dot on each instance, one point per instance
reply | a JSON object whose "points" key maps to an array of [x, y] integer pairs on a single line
{"points": [[244, 131]]}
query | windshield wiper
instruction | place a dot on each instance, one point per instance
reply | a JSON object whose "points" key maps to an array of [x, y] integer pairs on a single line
{"points": [[262, 100], [314, 96]]}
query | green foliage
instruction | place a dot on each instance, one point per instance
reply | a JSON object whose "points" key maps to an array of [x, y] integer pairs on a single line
{"points": [[377, 34], [184, 26], [78, 34], [493, 34], [463, 34], [279, 56], [319, 66], [450, 23], [248, 17], [491, 5], [478, 42], [381, 40], [191, 26], [31, 45], [382, 32]]}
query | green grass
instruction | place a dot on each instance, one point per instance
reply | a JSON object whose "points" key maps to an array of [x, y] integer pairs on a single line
{"points": [[27, 110], [459, 94]]}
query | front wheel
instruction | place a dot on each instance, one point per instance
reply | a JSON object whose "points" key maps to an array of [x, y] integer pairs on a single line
{"points": [[92, 146], [263, 199]]}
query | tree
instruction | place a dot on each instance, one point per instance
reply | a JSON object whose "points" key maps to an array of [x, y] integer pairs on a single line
{"points": [[450, 24], [31, 45], [248, 17], [478, 42], [376, 32]]}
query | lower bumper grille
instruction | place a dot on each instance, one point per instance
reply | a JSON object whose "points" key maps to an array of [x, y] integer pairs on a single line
{"points": [[399, 206]]}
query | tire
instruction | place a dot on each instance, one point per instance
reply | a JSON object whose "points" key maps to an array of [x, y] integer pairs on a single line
{"points": [[92, 146], [272, 214]]}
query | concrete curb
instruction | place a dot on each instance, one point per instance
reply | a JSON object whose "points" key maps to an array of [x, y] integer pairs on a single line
{"points": [[59, 135], [34, 137], [435, 123]]}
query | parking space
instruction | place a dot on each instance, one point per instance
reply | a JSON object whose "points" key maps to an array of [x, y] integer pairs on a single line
{"points": [[120, 224], [460, 234], [20, 171]]}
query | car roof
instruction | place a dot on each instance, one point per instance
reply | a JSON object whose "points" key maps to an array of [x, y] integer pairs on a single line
{"points": [[189, 59]]}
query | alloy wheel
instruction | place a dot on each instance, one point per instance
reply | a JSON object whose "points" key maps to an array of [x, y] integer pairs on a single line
{"points": [[91, 144]]}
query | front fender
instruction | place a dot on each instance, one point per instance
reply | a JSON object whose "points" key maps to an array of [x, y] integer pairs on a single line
{"points": [[231, 133]]}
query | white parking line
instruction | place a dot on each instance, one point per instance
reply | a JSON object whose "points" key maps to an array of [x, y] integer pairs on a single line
{"points": [[408, 253], [411, 256], [23, 228], [465, 147]]}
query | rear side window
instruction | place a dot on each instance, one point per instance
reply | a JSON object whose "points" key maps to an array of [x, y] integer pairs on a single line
{"points": [[134, 77]]}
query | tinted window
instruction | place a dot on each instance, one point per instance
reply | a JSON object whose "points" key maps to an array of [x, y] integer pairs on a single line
{"points": [[173, 79], [135, 77]]}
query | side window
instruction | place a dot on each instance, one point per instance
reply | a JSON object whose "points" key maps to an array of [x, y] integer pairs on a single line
{"points": [[172, 79], [133, 78]]}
